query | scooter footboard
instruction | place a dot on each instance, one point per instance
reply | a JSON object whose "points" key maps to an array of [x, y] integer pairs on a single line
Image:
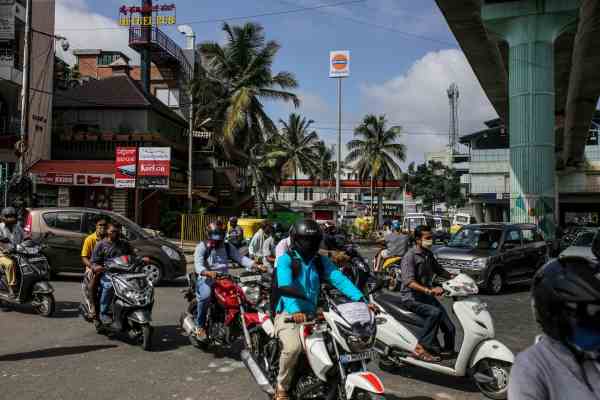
{"points": [[366, 381]]}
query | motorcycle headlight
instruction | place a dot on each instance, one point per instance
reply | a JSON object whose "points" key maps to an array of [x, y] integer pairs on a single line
{"points": [[171, 253], [252, 294], [359, 338], [138, 297], [479, 263]]}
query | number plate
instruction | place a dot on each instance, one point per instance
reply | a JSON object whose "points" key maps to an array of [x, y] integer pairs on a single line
{"points": [[367, 355], [250, 278]]}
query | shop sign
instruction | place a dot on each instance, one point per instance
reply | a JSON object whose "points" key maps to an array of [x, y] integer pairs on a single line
{"points": [[52, 178], [125, 167], [154, 167], [128, 17]]}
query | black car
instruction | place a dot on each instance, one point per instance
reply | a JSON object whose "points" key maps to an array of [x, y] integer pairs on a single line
{"points": [[495, 255]]}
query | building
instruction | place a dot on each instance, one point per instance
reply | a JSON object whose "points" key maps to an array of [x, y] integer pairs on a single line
{"points": [[12, 40]]}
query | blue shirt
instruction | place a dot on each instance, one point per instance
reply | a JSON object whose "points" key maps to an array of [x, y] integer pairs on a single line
{"points": [[308, 282]]}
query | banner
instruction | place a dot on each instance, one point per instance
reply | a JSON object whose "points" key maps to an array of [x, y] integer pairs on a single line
{"points": [[154, 167], [339, 64], [125, 167]]}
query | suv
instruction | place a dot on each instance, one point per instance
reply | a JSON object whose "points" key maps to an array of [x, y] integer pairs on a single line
{"points": [[495, 255], [63, 231]]}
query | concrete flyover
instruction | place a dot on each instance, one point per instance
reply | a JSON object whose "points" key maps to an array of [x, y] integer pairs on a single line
{"points": [[539, 65]]}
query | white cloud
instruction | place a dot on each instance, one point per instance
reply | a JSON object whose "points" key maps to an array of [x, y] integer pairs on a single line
{"points": [[417, 100], [72, 14]]}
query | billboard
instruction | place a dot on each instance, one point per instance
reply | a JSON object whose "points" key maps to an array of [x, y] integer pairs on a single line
{"points": [[339, 64], [154, 167], [125, 167]]}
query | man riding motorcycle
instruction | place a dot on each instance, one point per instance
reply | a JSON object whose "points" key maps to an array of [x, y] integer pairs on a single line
{"points": [[212, 257], [303, 269], [111, 247], [396, 245], [235, 235], [11, 234], [92, 280], [565, 361]]}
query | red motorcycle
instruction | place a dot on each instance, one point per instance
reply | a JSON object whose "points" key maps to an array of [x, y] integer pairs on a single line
{"points": [[228, 308]]}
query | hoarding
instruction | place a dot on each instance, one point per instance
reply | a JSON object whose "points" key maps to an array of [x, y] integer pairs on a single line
{"points": [[154, 167], [128, 17], [339, 64], [125, 167]]}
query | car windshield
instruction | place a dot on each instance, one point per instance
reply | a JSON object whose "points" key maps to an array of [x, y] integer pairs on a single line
{"points": [[476, 238], [584, 239]]}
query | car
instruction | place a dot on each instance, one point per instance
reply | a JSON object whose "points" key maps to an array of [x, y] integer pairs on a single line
{"points": [[495, 255], [581, 246], [63, 231]]}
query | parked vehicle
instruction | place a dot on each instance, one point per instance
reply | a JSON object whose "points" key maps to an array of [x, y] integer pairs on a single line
{"points": [[337, 347], [63, 231], [412, 220], [480, 357], [459, 220], [441, 229], [581, 246], [32, 279], [495, 255], [132, 303]]}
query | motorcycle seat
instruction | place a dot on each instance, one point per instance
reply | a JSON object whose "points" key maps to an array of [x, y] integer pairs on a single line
{"points": [[393, 306], [391, 261]]}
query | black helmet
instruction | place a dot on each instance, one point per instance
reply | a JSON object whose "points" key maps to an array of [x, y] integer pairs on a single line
{"points": [[306, 238], [566, 301], [9, 212]]}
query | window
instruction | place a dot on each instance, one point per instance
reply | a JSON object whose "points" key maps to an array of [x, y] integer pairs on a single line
{"points": [[90, 219], [513, 237], [107, 58], [168, 96], [528, 236], [67, 221]]}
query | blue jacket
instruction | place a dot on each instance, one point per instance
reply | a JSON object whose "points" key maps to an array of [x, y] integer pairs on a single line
{"points": [[308, 282]]}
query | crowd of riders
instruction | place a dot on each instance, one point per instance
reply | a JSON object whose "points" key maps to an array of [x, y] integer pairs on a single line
{"points": [[564, 362]]}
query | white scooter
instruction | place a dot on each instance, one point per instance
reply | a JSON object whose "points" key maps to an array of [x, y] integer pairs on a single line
{"points": [[481, 357]]}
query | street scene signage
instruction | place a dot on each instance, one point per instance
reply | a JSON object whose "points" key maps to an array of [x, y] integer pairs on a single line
{"points": [[339, 64], [132, 15], [154, 167], [125, 167]]}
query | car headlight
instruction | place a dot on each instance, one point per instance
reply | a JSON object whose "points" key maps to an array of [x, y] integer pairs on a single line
{"points": [[172, 254], [479, 263]]}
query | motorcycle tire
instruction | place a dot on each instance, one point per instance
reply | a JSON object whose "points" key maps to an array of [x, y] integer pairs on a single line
{"points": [[46, 304], [147, 337]]}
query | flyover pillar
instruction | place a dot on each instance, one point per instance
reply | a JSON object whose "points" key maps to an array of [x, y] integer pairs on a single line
{"points": [[530, 28]]}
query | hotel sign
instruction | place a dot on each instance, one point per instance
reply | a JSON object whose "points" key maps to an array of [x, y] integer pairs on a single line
{"points": [[133, 15]]}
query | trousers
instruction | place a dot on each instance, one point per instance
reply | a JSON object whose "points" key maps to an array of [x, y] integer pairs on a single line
{"points": [[203, 296], [291, 348], [435, 318]]}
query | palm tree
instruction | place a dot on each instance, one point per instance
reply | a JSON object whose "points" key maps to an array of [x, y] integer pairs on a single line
{"points": [[300, 147], [374, 151], [232, 82], [264, 165], [326, 167]]}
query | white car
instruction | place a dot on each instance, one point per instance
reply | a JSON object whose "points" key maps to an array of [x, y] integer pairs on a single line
{"points": [[581, 247]]}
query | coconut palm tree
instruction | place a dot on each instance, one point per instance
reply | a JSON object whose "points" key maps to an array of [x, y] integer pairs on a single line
{"points": [[326, 167], [233, 81], [299, 144], [374, 151]]}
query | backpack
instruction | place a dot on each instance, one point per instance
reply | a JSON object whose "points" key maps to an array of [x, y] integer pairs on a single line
{"points": [[296, 265]]}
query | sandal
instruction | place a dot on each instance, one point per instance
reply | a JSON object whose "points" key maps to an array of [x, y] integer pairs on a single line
{"points": [[280, 395], [426, 357]]}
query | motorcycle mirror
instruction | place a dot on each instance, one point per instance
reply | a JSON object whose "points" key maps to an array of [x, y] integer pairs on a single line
{"points": [[290, 291], [377, 287]]}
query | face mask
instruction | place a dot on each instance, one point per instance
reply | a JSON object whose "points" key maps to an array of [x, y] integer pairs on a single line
{"points": [[427, 244], [587, 339]]}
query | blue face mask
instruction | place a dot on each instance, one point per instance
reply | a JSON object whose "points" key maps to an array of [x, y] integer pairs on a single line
{"points": [[587, 339]]}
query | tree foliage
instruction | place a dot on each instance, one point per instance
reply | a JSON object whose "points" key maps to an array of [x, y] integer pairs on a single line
{"points": [[435, 183]]}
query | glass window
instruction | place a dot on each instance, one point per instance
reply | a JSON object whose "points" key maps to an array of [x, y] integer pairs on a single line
{"points": [[584, 239], [483, 239], [528, 236], [513, 237], [90, 219], [68, 221]]}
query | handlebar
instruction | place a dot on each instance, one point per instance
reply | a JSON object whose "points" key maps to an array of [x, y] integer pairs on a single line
{"points": [[318, 318]]}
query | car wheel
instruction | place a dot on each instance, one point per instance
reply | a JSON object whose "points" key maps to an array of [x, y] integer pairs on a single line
{"points": [[496, 283], [154, 271]]}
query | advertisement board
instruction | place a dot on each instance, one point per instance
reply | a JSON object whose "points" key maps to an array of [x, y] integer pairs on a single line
{"points": [[339, 64], [125, 167], [154, 167]]}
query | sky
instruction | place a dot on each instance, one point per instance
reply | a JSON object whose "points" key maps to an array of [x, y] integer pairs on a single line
{"points": [[403, 59]]}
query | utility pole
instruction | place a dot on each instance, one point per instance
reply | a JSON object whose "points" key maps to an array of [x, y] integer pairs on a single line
{"points": [[339, 144], [25, 87]]}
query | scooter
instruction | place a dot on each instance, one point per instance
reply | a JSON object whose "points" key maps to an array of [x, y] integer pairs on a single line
{"points": [[132, 303], [336, 349], [481, 357], [32, 277]]}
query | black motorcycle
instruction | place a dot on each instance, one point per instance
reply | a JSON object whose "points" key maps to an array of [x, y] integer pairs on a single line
{"points": [[358, 269], [132, 303], [32, 279]]}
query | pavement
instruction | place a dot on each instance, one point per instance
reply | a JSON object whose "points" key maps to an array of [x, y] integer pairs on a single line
{"points": [[63, 357]]}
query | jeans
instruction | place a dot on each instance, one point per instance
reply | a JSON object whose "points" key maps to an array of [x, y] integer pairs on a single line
{"points": [[106, 295], [435, 317], [203, 293]]}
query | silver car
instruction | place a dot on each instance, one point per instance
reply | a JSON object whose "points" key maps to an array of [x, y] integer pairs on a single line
{"points": [[581, 247]]}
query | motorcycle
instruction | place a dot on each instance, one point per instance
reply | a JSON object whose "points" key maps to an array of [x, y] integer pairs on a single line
{"points": [[357, 269], [336, 349], [32, 278], [132, 303], [481, 357], [229, 314]]}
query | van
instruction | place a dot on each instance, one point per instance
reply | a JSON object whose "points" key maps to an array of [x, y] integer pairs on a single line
{"points": [[412, 220]]}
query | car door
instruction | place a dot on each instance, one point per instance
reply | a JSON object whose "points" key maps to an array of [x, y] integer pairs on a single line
{"points": [[65, 240], [535, 250], [511, 254]]}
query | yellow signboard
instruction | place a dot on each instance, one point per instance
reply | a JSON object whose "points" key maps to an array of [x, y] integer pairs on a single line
{"points": [[147, 15]]}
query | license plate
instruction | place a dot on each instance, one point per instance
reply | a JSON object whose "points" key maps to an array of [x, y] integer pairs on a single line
{"points": [[367, 355], [250, 278]]}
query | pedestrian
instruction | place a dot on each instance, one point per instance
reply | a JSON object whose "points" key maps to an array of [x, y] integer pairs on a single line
{"points": [[256, 243]]}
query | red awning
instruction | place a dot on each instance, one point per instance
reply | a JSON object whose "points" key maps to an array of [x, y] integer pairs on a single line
{"points": [[74, 167]]}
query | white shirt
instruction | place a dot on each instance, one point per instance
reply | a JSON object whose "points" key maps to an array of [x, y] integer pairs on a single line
{"points": [[256, 244], [283, 246]]}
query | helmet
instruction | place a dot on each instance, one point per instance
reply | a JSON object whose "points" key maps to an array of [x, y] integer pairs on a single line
{"points": [[278, 230], [396, 225], [215, 231], [566, 303], [9, 212], [306, 238], [233, 220]]}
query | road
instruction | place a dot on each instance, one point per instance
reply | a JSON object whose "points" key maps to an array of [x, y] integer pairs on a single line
{"points": [[63, 358]]}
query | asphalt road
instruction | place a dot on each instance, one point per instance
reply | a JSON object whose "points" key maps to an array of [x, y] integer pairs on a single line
{"points": [[64, 358]]}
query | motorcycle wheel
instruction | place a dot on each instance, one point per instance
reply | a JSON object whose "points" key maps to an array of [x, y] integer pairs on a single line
{"points": [[500, 370], [147, 337], [46, 304]]}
